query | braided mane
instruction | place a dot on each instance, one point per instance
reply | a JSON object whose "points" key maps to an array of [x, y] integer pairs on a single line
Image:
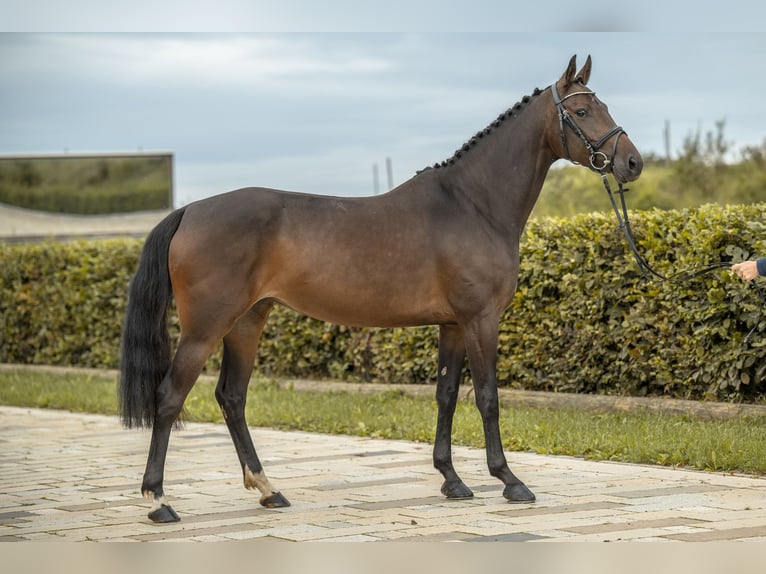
{"points": [[510, 113]]}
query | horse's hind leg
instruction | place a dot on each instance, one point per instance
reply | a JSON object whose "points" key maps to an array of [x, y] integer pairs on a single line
{"points": [[451, 358], [240, 347], [171, 394]]}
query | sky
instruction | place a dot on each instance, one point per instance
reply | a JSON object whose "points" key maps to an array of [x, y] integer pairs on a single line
{"points": [[313, 111]]}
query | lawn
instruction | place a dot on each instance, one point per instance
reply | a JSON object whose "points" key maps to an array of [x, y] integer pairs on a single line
{"points": [[735, 445]]}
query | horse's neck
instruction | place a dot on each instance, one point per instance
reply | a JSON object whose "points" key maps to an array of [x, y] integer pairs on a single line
{"points": [[503, 176]]}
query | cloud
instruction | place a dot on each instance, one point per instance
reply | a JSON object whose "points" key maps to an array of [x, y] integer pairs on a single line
{"points": [[315, 111], [216, 60]]}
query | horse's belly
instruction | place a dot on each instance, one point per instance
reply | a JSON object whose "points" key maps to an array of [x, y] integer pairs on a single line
{"points": [[364, 304]]}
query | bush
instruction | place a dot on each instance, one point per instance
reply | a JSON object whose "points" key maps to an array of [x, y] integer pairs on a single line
{"points": [[62, 303], [600, 328], [583, 319]]}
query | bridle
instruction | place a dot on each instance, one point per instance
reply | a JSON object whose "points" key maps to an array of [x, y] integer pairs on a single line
{"points": [[599, 162]]}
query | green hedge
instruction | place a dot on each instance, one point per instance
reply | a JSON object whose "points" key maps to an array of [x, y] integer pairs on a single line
{"points": [[583, 320]]}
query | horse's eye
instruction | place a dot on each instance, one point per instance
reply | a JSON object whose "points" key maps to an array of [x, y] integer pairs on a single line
{"points": [[581, 113]]}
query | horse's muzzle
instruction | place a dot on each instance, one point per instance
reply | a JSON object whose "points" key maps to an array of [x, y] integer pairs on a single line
{"points": [[627, 167]]}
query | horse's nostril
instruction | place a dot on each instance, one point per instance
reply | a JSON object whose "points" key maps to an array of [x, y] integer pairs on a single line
{"points": [[634, 164]]}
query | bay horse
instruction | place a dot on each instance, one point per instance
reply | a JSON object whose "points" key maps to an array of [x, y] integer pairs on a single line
{"points": [[441, 248]]}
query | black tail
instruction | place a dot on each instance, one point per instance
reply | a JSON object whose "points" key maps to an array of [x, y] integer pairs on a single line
{"points": [[146, 351]]}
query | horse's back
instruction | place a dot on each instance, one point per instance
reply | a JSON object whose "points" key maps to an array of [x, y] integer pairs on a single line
{"points": [[254, 218]]}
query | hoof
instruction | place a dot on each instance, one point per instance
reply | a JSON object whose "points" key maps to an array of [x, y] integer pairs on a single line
{"points": [[164, 514], [456, 490], [276, 500], [518, 493]]}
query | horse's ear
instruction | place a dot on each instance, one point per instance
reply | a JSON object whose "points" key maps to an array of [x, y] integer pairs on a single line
{"points": [[569, 75], [583, 75]]}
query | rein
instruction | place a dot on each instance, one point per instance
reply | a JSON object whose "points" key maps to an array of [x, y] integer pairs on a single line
{"points": [[650, 273], [599, 162], [647, 271]]}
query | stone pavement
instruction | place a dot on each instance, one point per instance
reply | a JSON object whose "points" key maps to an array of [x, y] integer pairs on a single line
{"points": [[75, 477]]}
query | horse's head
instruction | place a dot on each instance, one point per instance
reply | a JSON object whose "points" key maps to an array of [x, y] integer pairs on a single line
{"points": [[586, 133]]}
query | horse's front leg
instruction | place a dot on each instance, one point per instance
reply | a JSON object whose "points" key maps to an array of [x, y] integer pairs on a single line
{"points": [[481, 337], [451, 358]]}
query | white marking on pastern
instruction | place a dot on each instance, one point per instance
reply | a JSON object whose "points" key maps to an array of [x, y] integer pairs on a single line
{"points": [[258, 480], [156, 502]]}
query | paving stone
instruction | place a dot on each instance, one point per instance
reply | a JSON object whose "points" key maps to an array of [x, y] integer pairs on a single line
{"points": [[635, 525], [75, 477], [533, 510], [13, 516], [670, 491]]}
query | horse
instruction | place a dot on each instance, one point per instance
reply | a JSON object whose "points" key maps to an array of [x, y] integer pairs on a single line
{"points": [[440, 249]]}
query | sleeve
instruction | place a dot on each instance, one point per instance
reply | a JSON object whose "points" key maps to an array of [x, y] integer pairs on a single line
{"points": [[761, 264]]}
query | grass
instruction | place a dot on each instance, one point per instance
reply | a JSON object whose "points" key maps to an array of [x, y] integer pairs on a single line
{"points": [[736, 445]]}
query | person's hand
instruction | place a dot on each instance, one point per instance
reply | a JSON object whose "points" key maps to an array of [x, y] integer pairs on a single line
{"points": [[748, 270]]}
